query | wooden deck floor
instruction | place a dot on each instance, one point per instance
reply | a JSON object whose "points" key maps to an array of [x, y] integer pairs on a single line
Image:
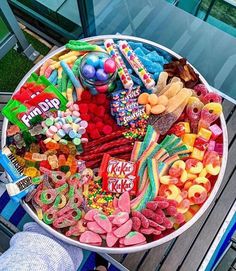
{"points": [[186, 252]]}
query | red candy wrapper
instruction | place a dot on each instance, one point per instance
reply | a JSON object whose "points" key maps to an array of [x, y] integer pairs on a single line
{"points": [[118, 175]]}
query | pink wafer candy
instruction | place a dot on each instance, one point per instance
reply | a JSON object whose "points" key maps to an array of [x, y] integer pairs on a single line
{"points": [[103, 222], [216, 131], [124, 202], [120, 218], [134, 238], [90, 237], [111, 239], [89, 216], [124, 229], [94, 227]]}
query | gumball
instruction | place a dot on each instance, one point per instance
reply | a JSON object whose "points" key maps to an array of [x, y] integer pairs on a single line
{"points": [[109, 66], [93, 60], [101, 75], [102, 89], [88, 71], [101, 62]]}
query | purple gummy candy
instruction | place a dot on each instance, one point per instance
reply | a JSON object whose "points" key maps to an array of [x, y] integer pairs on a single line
{"points": [[101, 75], [88, 71]]}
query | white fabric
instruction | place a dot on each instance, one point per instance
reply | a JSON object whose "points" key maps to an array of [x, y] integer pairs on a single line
{"points": [[36, 250]]}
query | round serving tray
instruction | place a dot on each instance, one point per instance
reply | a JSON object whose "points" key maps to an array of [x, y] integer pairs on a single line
{"points": [[182, 229]]}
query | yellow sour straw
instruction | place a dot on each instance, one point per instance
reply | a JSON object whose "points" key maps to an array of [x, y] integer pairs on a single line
{"points": [[68, 60], [72, 53]]}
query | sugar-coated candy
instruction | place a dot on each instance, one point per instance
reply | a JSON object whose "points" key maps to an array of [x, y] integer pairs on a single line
{"points": [[200, 91], [212, 98]]}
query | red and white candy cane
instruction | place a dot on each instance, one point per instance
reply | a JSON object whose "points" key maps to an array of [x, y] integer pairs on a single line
{"points": [[123, 73]]}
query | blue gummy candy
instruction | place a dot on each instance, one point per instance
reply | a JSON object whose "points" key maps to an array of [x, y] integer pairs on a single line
{"points": [[135, 45], [156, 76], [145, 50], [130, 71], [146, 62], [154, 56], [154, 67], [139, 52]]}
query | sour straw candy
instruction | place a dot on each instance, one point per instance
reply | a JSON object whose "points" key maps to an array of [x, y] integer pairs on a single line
{"points": [[123, 73], [75, 81], [136, 64]]}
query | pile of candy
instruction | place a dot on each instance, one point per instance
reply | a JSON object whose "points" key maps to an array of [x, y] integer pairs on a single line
{"points": [[115, 145]]}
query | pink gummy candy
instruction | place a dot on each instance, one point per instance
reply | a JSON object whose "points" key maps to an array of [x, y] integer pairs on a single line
{"points": [[211, 145], [200, 91], [216, 131], [120, 218], [89, 216], [94, 227], [136, 223], [90, 237], [124, 202], [124, 229], [212, 98], [147, 231], [134, 238], [103, 222], [111, 239]]}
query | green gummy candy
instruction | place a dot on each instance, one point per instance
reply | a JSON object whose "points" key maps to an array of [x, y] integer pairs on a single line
{"points": [[65, 169]]}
